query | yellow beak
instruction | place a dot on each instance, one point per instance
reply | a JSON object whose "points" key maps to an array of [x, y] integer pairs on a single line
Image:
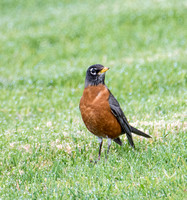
{"points": [[104, 70]]}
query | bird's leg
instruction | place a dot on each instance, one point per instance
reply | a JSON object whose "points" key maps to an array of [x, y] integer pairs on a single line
{"points": [[109, 144], [100, 146]]}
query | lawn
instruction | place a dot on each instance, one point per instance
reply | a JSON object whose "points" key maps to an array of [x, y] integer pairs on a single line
{"points": [[46, 152]]}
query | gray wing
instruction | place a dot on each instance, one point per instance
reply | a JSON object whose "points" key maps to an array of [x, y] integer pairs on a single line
{"points": [[118, 113]]}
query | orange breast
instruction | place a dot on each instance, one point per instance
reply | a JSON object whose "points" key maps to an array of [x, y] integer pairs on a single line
{"points": [[96, 112]]}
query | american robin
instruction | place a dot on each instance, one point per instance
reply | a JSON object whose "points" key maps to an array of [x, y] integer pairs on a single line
{"points": [[101, 111]]}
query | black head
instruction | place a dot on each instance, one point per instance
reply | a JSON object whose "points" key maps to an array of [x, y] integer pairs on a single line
{"points": [[95, 75]]}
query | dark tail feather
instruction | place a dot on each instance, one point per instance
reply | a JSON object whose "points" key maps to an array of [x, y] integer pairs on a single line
{"points": [[129, 136], [118, 141], [138, 132]]}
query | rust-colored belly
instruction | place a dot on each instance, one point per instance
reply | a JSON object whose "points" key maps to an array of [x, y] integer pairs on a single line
{"points": [[96, 112]]}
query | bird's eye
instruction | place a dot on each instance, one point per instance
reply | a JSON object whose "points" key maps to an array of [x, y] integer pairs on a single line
{"points": [[93, 71]]}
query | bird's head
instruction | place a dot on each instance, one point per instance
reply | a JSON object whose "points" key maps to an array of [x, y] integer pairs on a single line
{"points": [[95, 75]]}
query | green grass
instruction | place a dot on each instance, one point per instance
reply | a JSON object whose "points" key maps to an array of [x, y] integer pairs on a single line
{"points": [[45, 49]]}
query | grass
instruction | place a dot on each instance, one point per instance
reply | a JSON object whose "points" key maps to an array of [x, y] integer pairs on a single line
{"points": [[45, 49]]}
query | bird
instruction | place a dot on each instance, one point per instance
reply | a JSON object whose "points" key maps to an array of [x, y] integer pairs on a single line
{"points": [[101, 112]]}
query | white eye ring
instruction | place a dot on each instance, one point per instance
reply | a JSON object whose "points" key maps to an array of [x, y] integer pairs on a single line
{"points": [[93, 71]]}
